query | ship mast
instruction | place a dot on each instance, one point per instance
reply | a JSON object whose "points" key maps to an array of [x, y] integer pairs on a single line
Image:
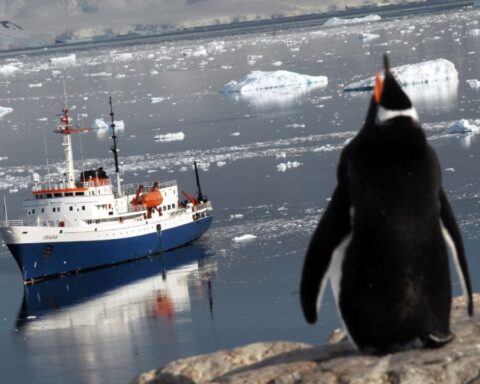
{"points": [[66, 129], [114, 148]]}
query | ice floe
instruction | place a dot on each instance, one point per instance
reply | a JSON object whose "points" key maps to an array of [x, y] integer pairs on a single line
{"points": [[265, 80], [474, 83], [64, 60], [463, 126], [10, 69], [103, 128], [155, 100], [167, 137], [4, 111], [426, 72], [244, 238], [367, 36], [336, 21], [283, 167]]}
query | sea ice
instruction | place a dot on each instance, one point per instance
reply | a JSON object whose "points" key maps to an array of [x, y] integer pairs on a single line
{"points": [[9, 69], [155, 100], [64, 60], [368, 36], [283, 167], [103, 128], [267, 80], [4, 111], [426, 72], [463, 126], [167, 137], [474, 83], [243, 238], [336, 21]]}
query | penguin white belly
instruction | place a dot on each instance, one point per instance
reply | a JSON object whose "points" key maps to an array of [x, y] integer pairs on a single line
{"points": [[335, 275]]}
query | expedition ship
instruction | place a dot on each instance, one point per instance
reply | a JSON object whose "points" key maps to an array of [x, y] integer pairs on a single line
{"points": [[72, 225]]}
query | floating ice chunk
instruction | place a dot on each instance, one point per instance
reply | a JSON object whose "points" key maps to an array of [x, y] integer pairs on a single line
{"points": [[277, 64], [426, 72], [463, 126], [156, 100], [336, 21], [36, 85], [64, 60], [9, 69], [122, 56], [474, 32], [103, 128], [244, 238], [235, 134], [474, 83], [167, 137], [368, 36], [267, 80], [4, 111], [283, 167], [236, 216], [221, 163]]}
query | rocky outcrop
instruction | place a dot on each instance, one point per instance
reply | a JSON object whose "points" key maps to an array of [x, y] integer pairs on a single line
{"points": [[294, 363]]}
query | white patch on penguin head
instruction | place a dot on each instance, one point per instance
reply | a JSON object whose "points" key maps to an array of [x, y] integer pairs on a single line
{"points": [[384, 114]]}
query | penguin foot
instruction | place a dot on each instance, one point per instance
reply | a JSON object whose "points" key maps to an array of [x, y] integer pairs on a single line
{"points": [[437, 339]]}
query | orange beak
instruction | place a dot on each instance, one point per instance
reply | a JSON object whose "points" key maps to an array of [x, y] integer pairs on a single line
{"points": [[378, 89]]}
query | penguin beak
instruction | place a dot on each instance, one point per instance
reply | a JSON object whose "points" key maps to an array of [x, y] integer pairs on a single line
{"points": [[378, 89]]}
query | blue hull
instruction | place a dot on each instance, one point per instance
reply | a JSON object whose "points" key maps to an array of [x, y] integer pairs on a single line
{"points": [[41, 260]]}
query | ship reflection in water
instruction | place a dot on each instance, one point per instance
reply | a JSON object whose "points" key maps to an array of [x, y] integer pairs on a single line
{"points": [[152, 287]]}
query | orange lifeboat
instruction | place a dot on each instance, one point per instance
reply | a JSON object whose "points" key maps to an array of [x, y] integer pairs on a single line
{"points": [[152, 199]]}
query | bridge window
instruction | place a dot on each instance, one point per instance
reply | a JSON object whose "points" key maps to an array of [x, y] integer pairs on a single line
{"points": [[71, 208], [79, 193], [57, 194], [54, 209]]}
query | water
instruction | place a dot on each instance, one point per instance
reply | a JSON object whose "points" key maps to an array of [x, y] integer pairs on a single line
{"points": [[110, 325]]}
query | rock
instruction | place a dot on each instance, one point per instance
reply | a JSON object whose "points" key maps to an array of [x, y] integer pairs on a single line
{"points": [[294, 363]]}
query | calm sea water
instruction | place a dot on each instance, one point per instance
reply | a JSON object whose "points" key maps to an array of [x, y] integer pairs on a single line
{"points": [[110, 325]]}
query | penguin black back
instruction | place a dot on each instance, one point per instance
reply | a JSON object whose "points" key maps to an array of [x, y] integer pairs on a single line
{"points": [[383, 240]]}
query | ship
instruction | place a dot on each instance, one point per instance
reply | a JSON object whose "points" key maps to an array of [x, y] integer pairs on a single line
{"points": [[72, 225]]}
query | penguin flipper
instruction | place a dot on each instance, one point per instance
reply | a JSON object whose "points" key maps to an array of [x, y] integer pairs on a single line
{"points": [[453, 238], [331, 230]]}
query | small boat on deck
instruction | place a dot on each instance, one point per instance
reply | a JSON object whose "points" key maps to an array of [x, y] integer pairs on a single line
{"points": [[77, 224]]}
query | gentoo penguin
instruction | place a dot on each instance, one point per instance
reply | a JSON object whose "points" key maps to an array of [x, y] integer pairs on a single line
{"points": [[383, 239]]}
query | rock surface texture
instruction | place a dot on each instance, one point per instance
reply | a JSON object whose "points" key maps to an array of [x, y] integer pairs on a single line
{"points": [[289, 362]]}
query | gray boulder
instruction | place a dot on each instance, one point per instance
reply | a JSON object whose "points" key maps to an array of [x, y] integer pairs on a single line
{"points": [[337, 362]]}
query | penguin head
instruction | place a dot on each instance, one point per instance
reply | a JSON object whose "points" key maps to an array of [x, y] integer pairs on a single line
{"points": [[391, 101]]}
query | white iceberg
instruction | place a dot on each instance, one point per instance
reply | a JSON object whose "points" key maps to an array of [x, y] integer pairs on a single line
{"points": [[64, 60], [426, 72], [474, 83], [336, 21], [167, 137], [4, 111], [103, 128], [155, 100], [10, 69], [266, 80], [283, 167], [463, 126], [367, 36], [243, 238]]}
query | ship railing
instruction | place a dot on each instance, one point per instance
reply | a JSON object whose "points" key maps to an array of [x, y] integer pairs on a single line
{"points": [[94, 183], [135, 208], [131, 189], [11, 223], [207, 205]]}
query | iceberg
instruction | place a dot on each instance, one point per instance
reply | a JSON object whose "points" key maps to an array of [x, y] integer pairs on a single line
{"points": [[463, 126], [64, 60], [473, 83], [167, 137], [4, 111], [426, 72], [267, 80], [336, 21], [103, 127]]}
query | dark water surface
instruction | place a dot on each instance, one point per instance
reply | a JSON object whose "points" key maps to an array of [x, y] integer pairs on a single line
{"points": [[110, 325]]}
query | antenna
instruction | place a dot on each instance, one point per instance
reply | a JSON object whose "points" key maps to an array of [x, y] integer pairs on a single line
{"points": [[65, 92], [81, 153], [114, 148]]}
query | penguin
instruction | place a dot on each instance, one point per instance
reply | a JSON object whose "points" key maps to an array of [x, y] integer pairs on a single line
{"points": [[385, 236]]}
